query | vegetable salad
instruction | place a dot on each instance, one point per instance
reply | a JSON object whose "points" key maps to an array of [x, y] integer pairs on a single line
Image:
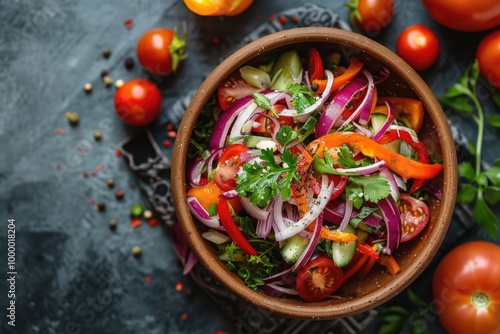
{"points": [[305, 177]]}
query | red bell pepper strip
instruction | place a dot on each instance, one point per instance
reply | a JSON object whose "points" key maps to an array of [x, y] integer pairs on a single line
{"points": [[366, 249], [418, 147], [356, 263], [366, 267], [232, 229]]}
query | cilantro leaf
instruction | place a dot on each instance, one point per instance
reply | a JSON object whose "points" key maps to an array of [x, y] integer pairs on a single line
{"points": [[286, 135], [365, 212], [345, 157], [262, 101], [369, 188], [303, 97], [324, 166], [484, 216], [262, 183]]}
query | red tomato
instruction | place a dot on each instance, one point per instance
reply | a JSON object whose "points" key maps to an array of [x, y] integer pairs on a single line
{"points": [[233, 89], [318, 279], [267, 126], [465, 15], [228, 166], [314, 65], [466, 288], [488, 56], [161, 50], [371, 15], [414, 216], [418, 46], [138, 102], [339, 181], [209, 194]]}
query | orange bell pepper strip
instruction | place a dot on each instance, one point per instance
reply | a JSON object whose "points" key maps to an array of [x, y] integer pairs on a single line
{"points": [[410, 111], [390, 263], [354, 67]]}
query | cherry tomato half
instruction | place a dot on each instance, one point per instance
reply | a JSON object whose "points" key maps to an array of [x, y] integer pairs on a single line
{"points": [[339, 182], [466, 288], [266, 126], [488, 57], [418, 46], [161, 50], [138, 102], [233, 89], [414, 216], [318, 279], [371, 15], [228, 166], [314, 65]]}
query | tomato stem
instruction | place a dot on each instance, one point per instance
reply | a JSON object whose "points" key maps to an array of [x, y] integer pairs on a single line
{"points": [[480, 300]]}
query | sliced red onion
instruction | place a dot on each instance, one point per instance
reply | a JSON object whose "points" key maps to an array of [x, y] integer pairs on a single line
{"points": [[254, 210], [276, 290], [384, 170], [334, 110], [201, 214], [392, 218], [230, 194], [347, 214], [302, 117], [308, 251], [215, 237], [264, 227], [412, 132], [210, 160], [277, 277], [195, 171], [190, 263], [222, 125], [335, 212], [363, 170], [363, 111], [387, 123], [316, 208], [364, 131]]}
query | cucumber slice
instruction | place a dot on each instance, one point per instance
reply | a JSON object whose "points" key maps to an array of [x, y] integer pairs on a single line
{"points": [[362, 235], [377, 121], [343, 252], [252, 141], [288, 64], [293, 247]]}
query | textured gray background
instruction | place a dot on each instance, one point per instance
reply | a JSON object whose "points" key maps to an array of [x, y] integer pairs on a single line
{"points": [[73, 272]]}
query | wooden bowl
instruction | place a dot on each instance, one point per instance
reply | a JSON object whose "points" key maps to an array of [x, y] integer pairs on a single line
{"points": [[413, 256]]}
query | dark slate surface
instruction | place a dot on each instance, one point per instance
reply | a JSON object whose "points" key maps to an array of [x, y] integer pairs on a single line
{"points": [[73, 273]]}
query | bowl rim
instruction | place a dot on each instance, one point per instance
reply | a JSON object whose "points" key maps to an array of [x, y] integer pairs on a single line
{"points": [[266, 44]]}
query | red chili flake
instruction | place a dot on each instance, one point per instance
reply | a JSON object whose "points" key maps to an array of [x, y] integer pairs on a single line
{"points": [[119, 193], [172, 134], [179, 286], [167, 143], [85, 174], [94, 174], [128, 23], [219, 332], [131, 185], [153, 222], [272, 17], [170, 127], [99, 168], [148, 279], [184, 317], [135, 222], [118, 152], [60, 131], [91, 201], [294, 19], [58, 165], [79, 149], [282, 19]]}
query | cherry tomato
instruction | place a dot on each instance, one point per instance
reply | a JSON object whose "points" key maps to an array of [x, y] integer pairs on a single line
{"points": [[138, 102], [161, 50], [314, 65], [339, 182], [266, 126], [414, 216], [488, 57], [465, 15], [466, 288], [318, 279], [233, 89], [228, 166], [418, 46], [371, 15], [209, 194]]}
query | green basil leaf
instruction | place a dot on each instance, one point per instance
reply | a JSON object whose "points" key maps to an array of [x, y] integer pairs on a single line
{"points": [[467, 193], [460, 103], [492, 195], [456, 90], [466, 170]]}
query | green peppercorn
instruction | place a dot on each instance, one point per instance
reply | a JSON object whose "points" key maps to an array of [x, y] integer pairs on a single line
{"points": [[112, 224], [137, 210], [136, 251], [73, 118], [97, 135], [110, 182]]}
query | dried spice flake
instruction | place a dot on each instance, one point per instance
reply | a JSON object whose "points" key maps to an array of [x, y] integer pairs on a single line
{"points": [[128, 23], [106, 53], [118, 152], [184, 317], [136, 251], [148, 279], [60, 131], [167, 143], [112, 224], [179, 286], [87, 87], [119, 194], [153, 222], [72, 117], [135, 222]]}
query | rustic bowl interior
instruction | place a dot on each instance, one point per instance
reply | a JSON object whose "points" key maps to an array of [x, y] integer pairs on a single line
{"points": [[413, 256]]}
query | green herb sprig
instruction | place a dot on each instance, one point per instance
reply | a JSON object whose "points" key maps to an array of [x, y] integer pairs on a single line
{"points": [[482, 188]]}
